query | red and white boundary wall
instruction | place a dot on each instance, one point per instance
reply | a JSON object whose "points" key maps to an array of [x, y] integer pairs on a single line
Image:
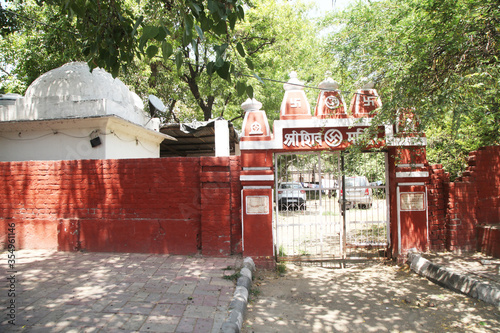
{"points": [[472, 205], [464, 215], [193, 205], [165, 205]]}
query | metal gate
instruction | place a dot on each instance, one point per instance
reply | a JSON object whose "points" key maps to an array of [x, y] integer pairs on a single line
{"points": [[330, 205]]}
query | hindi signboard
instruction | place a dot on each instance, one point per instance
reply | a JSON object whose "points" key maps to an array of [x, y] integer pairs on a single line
{"points": [[324, 138]]}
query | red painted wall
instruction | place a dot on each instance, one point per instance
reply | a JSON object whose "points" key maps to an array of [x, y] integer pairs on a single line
{"points": [[167, 205], [471, 202], [437, 199], [488, 240]]}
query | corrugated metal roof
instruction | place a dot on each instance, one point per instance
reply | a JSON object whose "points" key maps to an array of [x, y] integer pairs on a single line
{"points": [[194, 139]]}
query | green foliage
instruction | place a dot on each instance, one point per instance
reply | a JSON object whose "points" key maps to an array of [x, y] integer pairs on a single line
{"points": [[233, 277], [41, 42], [204, 57], [438, 58], [195, 55], [279, 37], [8, 22], [370, 165], [281, 251], [107, 30], [281, 267]]}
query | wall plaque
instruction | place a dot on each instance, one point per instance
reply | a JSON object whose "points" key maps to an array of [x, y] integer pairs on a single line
{"points": [[257, 205], [412, 201]]}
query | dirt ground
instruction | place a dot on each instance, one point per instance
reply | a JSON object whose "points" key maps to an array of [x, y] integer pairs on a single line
{"points": [[366, 297]]}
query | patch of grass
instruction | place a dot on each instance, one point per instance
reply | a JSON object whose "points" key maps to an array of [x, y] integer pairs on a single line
{"points": [[255, 292], [281, 267], [232, 277], [330, 213]]}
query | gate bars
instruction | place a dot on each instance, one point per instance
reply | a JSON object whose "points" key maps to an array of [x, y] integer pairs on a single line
{"points": [[333, 223]]}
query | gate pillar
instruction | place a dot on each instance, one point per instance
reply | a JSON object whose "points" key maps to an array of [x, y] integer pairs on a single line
{"points": [[408, 180], [257, 181]]}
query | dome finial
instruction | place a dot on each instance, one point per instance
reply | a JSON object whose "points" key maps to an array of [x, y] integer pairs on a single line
{"points": [[293, 83], [328, 83], [251, 105]]}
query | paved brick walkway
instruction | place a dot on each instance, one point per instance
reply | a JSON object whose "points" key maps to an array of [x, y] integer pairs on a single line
{"points": [[116, 292]]}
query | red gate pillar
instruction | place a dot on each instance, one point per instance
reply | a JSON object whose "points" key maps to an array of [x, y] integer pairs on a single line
{"points": [[408, 179], [257, 181]]}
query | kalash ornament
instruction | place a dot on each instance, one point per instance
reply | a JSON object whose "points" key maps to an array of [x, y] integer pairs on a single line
{"points": [[365, 101], [330, 104], [295, 104]]}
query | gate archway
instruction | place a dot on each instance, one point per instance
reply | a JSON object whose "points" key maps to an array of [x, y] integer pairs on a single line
{"points": [[346, 205]]}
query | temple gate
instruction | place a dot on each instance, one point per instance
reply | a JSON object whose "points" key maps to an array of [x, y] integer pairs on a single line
{"points": [[305, 198]]}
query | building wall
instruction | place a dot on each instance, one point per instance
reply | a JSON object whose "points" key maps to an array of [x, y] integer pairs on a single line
{"points": [[191, 205], [167, 205], [68, 139], [45, 145]]}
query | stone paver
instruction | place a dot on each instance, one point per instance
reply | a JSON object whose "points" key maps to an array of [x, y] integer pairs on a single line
{"points": [[116, 292]]}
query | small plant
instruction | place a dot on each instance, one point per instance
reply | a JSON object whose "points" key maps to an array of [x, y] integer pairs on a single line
{"points": [[231, 277], [281, 268], [304, 253], [281, 251], [254, 292]]}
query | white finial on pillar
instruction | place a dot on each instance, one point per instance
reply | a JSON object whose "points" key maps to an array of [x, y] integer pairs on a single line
{"points": [[368, 85], [293, 83], [328, 84], [251, 105]]}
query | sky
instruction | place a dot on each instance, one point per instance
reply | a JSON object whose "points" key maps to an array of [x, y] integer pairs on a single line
{"points": [[328, 5]]}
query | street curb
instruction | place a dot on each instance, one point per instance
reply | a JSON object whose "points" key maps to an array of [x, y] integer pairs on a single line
{"points": [[238, 305], [454, 281]]}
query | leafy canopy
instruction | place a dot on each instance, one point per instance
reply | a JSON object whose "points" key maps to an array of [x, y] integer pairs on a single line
{"points": [[438, 58]]}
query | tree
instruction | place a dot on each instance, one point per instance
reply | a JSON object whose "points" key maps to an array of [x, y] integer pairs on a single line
{"points": [[275, 38], [176, 54], [439, 58], [279, 38], [113, 33], [39, 41]]}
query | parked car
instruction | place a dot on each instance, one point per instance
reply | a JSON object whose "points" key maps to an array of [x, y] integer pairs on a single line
{"points": [[291, 196], [357, 192]]}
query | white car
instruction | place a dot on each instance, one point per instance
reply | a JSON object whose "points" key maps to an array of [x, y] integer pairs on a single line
{"points": [[291, 196], [357, 193]]}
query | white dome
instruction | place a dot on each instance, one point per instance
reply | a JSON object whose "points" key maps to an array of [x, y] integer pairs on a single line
{"points": [[72, 90]]}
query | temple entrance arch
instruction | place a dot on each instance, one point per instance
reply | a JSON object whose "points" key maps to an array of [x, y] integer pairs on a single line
{"points": [[318, 219], [324, 220]]}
